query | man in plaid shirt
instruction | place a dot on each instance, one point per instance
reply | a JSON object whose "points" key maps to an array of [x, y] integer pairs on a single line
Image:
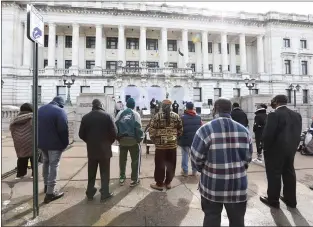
{"points": [[221, 151]]}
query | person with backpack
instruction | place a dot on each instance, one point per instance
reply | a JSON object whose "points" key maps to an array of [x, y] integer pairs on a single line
{"points": [[258, 127], [130, 134]]}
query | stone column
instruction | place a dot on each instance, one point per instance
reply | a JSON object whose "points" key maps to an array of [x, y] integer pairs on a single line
{"points": [[51, 46], [27, 52], [232, 57], [75, 46], [216, 57], [198, 57], [224, 52], [260, 54], [243, 57], [205, 51], [142, 42], [98, 63], [185, 47], [164, 47], [121, 44]]}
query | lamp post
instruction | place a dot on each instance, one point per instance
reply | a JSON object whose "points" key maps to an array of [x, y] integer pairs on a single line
{"points": [[68, 81], [294, 88], [250, 83]]}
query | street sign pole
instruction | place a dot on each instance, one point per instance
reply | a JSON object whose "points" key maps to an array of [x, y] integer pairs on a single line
{"points": [[35, 30]]}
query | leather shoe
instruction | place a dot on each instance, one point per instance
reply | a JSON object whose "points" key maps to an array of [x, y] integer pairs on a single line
{"points": [[91, 195], [105, 197], [311, 187], [51, 197], [269, 203], [287, 203]]}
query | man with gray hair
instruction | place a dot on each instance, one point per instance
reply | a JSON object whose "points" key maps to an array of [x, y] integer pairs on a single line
{"points": [[221, 151]]}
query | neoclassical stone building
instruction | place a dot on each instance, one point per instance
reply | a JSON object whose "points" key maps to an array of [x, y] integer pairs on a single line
{"points": [[144, 51]]}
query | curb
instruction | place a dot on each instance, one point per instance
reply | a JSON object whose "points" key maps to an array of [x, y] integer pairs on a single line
{"points": [[13, 171]]}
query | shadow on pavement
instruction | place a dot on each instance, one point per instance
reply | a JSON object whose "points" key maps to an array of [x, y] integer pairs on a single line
{"points": [[279, 217], [155, 210], [298, 218]]}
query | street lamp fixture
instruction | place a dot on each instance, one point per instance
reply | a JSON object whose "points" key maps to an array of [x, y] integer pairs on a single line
{"points": [[294, 88], [68, 81], [250, 83]]}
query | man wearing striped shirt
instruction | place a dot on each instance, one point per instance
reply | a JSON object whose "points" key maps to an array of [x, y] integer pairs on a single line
{"points": [[221, 151]]}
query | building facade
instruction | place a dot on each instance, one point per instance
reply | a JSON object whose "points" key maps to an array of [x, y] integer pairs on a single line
{"points": [[146, 51]]}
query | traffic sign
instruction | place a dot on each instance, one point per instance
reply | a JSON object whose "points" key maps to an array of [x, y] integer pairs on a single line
{"points": [[35, 25]]}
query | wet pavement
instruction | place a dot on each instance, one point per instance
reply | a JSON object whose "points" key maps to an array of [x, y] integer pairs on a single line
{"points": [[143, 206]]}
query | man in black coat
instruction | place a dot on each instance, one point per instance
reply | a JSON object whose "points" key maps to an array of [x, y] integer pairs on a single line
{"points": [[258, 127], [175, 107], [98, 130], [238, 115], [281, 137]]}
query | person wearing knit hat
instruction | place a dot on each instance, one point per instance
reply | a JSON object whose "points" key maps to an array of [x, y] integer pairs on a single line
{"points": [[130, 134], [165, 127], [191, 123], [97, 130]]}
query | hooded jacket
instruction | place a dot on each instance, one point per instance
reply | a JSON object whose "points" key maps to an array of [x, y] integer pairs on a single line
{"points": [[259, 121], [53, 126], [21, 131], [191, 123], [241, 117]]}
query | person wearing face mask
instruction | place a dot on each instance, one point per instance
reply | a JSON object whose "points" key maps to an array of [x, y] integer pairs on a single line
{"points": [[221, 151], [98, 131]]}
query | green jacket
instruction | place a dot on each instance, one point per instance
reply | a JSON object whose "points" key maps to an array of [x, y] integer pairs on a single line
{"points": [[128, 123]]}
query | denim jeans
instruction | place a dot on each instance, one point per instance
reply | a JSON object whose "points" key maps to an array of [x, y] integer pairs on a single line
{"points": [[185, 159], [51, 162]]}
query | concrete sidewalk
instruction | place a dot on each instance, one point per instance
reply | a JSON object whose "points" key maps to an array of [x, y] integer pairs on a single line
{"points": [[142, 206]]}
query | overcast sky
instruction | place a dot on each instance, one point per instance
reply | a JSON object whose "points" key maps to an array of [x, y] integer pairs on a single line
{"points": [[253, 7]]}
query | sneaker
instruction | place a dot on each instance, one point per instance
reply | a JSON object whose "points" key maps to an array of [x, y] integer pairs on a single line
{"points": [[134, 183], [105, 197], [257, 160], [51, 197], [122, 181], [183, 173], [19, 178], [155, 186]]}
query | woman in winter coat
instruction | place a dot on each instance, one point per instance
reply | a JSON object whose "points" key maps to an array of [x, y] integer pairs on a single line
{"points": [[259, 124], [21, 131]]}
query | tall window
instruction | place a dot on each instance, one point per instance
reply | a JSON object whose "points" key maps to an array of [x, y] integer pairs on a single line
{"points": [[227, 48], [288, 95], [303, 44], [172, 45], [236, 92], [220, 68], [132, 64], [67, 64], [45, 63], [237, 49], [219, 48], [228, 68], [90, 64], [197, 94], [56, 63], [112, 42], [38, 93], [217, 93], [255, 91], [84, 89], [56, 41], [210, 47], [109, 90], [46, 40], [152, 64], [287, 43], [111, 65], [151, 44], [304, 67], [211, 68], [68, 41], [172, 65], [132, 43], [90, 42], [287, 67], [191, 46], [237, 68], [61, 91], [193, 67], [305, 96]]}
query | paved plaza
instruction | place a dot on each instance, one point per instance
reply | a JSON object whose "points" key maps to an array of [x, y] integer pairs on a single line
{"points": [[140, 206]]}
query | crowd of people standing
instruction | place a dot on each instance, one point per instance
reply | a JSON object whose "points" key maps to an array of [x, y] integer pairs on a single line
{"points": [[220, 150]]}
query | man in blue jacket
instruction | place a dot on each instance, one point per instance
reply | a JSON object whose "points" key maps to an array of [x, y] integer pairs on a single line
{"points": [[52, 140], [191, 123]]}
